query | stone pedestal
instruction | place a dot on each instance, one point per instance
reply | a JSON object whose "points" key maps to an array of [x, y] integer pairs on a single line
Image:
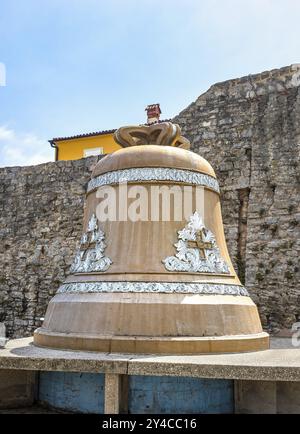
{"points": [[258, 397], [267, 397], [93, 382], [3, 339], [288, 397], [116, 394], [17, 388]]}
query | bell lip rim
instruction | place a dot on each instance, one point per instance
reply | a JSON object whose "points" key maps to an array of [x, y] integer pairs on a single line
{"points": [[42, 330], [245, 343]]}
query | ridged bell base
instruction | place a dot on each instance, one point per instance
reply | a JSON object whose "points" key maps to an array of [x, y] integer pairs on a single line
{"points": [[152, 323]]}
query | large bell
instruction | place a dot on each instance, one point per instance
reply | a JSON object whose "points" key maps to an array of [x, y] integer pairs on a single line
{"points": [[153, 274]]}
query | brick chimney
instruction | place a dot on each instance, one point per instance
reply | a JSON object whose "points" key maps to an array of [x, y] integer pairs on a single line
{"points": [[153, 113]]}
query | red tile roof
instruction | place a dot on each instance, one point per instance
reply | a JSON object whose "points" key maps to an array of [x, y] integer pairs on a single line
{"points": [[96, 133], [80, 136]]}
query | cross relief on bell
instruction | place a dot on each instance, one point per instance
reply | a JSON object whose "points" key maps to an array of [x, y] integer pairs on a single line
{"points": [[200, 244], [197, 250], [90, 238], [90, 256], [85, 244]]}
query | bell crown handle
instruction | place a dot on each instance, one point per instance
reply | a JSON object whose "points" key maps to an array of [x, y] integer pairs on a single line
{"points": [[161, 134]]}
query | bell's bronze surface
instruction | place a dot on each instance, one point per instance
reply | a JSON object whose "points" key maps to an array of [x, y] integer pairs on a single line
{"points": [[152, 285]]}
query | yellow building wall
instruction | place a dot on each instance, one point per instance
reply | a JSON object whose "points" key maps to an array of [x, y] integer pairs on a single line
{"points": [[73, 149]]}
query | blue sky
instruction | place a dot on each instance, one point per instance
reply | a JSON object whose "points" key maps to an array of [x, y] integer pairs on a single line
{"points": [[75, 66]]}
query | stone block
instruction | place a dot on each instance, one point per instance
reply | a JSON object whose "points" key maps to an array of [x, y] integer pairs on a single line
{"points": [[3, 339], [288, 397], [255, 397], [116, 394], [17, 388]]}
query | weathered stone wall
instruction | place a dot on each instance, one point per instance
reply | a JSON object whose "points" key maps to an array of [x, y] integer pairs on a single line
{"points": [[41, 211], [249, 129]]}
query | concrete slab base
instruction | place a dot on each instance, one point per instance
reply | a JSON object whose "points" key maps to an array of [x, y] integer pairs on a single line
{"points": [[265, 381]]}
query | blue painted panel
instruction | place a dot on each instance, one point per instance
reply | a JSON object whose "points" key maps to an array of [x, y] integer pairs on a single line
{"points": [[84, 393], [77, 392], [175, 395]]}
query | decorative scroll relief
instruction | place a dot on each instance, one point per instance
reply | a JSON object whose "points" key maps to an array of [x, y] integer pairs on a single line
{"points": [[90, 256], [197, 250], [152, 287], [154, 174]]}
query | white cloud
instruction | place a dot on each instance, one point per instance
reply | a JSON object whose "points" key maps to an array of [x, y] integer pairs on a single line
{"points": [[6, 134], [22, 149]]}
